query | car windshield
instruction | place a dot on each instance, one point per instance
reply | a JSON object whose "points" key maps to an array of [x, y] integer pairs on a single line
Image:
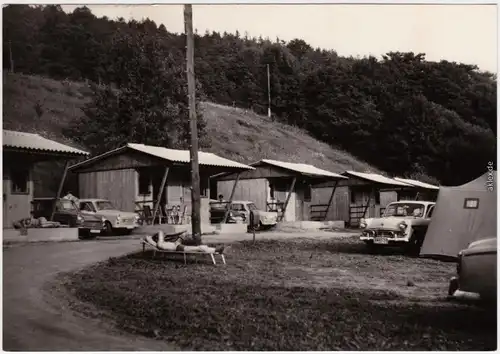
{"points": [[405, 209], [105, 205], [66, 205], [251, 206]]}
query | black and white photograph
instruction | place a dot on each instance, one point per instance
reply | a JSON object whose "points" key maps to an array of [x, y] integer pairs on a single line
{"points": [[249, 176]]}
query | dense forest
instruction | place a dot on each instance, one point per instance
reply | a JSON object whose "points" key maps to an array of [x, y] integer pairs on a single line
{"points": [[401, 113]]}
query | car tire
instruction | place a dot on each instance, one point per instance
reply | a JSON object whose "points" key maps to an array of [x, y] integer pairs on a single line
{"points": [[414, 244], [108, 229], [452, 288]]}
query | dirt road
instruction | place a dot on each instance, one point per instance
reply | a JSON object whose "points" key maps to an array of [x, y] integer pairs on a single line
{"points": [[33, 320]]}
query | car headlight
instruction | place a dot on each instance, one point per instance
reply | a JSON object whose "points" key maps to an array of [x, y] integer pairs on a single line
{"points": [[79, 218], [402, 225]]}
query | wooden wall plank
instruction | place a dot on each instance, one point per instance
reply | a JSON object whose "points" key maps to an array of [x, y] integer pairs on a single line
{"points": [[118, 186]]}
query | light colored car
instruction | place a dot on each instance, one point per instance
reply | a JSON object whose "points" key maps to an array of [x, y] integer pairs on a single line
{"points": [[403, 223], [114, 220], [245, 208], [240, 211], [477, 270]]}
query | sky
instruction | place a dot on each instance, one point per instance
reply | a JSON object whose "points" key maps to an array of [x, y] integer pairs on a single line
{"points": [[461, 33]]}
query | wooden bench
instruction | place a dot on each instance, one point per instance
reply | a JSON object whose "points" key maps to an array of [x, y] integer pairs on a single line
{"points": [[156, 249]]}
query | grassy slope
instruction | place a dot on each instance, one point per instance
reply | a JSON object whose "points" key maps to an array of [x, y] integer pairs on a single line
{"points": [[236, 134]]}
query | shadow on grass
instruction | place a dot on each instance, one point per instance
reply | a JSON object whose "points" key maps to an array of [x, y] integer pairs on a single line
{"points": [[351, 245]]}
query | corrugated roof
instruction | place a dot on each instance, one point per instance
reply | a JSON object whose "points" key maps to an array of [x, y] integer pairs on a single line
{"points": [[173, 155], [303, 168], [374, 177], [416, 183], [204, 158], [30, 141]]}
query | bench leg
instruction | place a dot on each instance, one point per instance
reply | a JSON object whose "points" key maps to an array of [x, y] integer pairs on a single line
{"points": [[213, 258], [154, 253], [184, 258], [143, 247], [223, 258]]}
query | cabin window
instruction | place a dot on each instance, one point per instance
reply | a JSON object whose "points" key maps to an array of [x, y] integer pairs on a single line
{"points": [[144, 182], [377, 198], [20, 177], [307, 193], [353, 197], [471, 203]]}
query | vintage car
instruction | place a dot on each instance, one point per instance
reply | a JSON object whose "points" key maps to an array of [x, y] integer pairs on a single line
{"points": [[477, 271], [68, 213], [115, 221], [403, 223], [242, 211]]}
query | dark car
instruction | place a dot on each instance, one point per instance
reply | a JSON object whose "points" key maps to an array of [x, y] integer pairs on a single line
{"points": [[68, 213]]}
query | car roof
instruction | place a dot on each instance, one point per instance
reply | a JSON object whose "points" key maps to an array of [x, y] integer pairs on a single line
{"points": [[413, 201]]}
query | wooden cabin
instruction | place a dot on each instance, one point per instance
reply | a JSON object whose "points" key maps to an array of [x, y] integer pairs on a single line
{"points": [[365, 195], [276, 186], [21, 151], [138, 175]]}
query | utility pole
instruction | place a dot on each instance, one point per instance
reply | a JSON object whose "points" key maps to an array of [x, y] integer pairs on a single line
{"points": [[268, 92], [11, 57], [195, 170]]}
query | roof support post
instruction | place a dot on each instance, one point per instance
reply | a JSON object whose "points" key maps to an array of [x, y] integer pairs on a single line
{"points": [[292, 186], [160, 192], [59, 189], [368, 203], [228, 205], [331, 199]]}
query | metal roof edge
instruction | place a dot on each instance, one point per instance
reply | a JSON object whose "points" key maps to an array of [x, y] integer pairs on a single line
{"points": [[269, 162], [423, 184], [95, 158], [396, 182]]}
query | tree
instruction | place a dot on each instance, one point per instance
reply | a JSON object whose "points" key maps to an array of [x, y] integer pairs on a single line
{"points": [[149, 104]]}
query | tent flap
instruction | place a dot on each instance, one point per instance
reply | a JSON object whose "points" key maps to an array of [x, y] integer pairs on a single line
{"points": [[462, 215]]}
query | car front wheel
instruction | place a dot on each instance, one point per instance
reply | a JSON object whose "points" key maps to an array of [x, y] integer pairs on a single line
{"points": [[108, 229]]}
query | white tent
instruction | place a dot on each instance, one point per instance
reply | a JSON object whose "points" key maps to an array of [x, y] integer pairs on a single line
{"points": [[462, 214]]}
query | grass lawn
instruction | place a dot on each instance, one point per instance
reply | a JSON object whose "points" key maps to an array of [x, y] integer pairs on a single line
{"points": [[296, 294]]}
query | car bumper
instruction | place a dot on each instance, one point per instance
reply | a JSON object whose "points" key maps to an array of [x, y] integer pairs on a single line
{"points": [[382, 240], [269, 222], [125, 227]]}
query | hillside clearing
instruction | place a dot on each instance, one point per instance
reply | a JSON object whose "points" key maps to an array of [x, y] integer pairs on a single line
{"points": [[235, 133]]}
